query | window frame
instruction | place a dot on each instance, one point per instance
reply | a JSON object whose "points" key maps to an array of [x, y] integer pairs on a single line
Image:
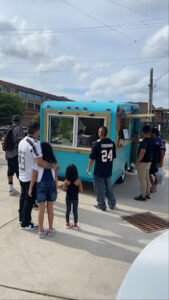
{"points": [[22, 94], [77, 128], [49, 126], [75, 115], [30, 105]]}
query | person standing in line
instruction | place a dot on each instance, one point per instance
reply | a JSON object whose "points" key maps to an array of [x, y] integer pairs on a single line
{"points": [[12, 155], [29, 152], [145, 156], [47, 180], [158, 158], [103, 153], [72, 186]]}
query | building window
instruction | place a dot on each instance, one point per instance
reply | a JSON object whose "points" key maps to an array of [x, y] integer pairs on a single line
{"points": [[12, 90], [37, 97], [37, 106], [22, 94], [61, 131], [4, 89], [30, 105], [49, 99], [30, 96]]}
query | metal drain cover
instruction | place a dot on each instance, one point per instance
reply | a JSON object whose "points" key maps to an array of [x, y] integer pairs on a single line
{"points": [[147, 222]]}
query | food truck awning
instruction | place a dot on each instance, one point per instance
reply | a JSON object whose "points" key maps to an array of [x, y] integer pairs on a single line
{"points": [[140, 116]]}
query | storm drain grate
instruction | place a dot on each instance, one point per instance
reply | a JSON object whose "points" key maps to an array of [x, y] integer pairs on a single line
{"points": [[147, 222]]}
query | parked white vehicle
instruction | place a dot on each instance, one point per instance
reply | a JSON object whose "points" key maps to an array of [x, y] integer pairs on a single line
{"points": [[148, 277]]}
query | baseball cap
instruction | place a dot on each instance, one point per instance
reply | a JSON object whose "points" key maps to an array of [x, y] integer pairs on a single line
{"points": [[16, 118]]}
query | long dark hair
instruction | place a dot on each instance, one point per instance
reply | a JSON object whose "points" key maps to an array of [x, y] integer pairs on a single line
{"points": [[47, 152], [71, 173]]}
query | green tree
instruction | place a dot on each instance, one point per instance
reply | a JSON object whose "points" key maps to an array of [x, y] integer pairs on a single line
{"points": [[10, 104], [36, 118]]}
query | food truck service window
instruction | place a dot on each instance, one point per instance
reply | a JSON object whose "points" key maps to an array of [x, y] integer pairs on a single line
{"points": [[87, 130], [60, 130], [74, 131]]}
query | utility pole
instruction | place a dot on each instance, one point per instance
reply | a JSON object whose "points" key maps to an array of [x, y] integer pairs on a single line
{"points": [[150, 100]]}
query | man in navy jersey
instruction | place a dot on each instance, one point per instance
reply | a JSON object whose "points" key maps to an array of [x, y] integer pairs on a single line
{"points": [[103, 152]]}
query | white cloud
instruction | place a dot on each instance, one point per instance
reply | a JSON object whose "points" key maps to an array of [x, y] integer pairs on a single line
{"points": [[83, 75], [158, 43], [114, 81], [15, 42], [129, 82], [105, 63], [61, 62]]}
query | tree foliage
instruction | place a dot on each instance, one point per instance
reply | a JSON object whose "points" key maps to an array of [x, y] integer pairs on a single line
{"points": [[36, 118], [10, 104]]}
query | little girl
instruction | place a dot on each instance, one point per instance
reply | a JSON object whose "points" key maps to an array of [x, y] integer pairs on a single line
{"points": [[46, 189], [72, 186]]}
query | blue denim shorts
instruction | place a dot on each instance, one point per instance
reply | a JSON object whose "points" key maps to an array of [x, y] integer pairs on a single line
{"points": [[46, 191]]}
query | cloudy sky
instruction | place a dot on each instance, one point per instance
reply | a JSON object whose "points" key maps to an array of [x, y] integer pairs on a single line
{"points": [[87, 49]]}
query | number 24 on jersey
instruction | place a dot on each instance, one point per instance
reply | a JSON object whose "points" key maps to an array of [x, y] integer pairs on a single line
{"points": [[107, 155]]}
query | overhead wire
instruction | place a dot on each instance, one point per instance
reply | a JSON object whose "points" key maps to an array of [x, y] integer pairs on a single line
{"points": [[119, 24], [161, 76], [87, 60], [103, 23], [134, 10], [27, 30], [71, 69], [97, 20]]}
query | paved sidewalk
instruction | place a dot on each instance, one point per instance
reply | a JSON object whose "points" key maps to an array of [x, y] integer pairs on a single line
{"points": [[86, 264]]}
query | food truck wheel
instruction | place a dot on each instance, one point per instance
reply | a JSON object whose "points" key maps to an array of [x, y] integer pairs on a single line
{"points": [[123, 176]]}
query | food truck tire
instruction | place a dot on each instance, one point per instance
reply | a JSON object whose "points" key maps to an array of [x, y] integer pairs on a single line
{"points": [[123, 176]]}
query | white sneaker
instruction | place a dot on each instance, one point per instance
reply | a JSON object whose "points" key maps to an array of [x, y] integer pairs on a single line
{"points": [[29, 227], [14, 193]]}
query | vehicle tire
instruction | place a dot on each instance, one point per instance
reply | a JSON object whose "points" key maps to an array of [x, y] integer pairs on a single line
{"points": [[123, 176]]}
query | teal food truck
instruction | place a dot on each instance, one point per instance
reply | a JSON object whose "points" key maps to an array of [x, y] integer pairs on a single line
{"points": [[71, 129]]}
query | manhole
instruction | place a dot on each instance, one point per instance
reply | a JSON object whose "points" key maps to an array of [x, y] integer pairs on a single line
{"points": [[147, 222]]}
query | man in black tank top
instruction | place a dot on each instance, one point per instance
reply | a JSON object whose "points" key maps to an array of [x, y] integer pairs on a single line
{"points": [[103, 152]]}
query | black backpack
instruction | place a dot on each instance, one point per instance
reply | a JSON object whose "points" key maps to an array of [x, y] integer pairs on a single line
{"points": [[7, 141]]}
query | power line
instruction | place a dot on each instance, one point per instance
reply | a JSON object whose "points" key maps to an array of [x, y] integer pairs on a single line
{"points": [[120, 24], [114, 30], [71, 69], [162, 75], [132, 25], [87, 60], [97, 20], [134, 10]]}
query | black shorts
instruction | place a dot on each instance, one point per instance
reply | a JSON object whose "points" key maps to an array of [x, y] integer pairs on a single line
{"points": [[153, 169], [13, 166]]}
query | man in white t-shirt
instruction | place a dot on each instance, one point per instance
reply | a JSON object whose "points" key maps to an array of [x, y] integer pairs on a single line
{"points": [[29, 152]]}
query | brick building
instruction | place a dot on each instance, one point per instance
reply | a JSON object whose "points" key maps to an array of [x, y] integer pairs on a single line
{"points": [[161, 114], [32, 98]]}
